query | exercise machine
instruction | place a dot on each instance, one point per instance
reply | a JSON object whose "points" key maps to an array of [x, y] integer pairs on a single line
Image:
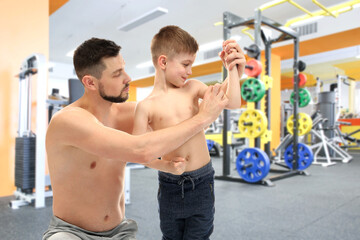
{"points": [[30, 179]]}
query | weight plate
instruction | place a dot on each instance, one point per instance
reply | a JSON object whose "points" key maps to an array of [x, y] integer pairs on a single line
{"points": [[304, 97], [304, 159], [253, 90], [252, 123], [304, 124], [252, 164]]}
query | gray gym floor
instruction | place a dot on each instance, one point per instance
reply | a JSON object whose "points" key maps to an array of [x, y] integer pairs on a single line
{"points": [[324, 205]]}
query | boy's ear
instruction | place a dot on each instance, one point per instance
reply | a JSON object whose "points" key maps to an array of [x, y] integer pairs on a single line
{"points": [[162, 61], [89, 82]]}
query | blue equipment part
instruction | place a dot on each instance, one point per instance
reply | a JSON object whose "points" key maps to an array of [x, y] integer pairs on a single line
{"points": [[252, 164], [305, 156]]}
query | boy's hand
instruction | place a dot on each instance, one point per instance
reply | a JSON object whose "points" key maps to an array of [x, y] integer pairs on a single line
{"points": [[177, 165], [232, 55], [214, 101]]}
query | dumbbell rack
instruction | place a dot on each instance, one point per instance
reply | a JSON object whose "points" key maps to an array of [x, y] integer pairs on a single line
{"points": [[231, 21]]}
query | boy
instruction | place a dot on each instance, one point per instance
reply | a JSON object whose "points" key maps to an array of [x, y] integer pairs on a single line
{"points": [[186, 202]]}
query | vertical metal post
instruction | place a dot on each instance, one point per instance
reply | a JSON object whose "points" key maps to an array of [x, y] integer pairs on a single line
{"points": [[29, 102], [226, 113], [257, 40], [268, 94], [296, 103]]}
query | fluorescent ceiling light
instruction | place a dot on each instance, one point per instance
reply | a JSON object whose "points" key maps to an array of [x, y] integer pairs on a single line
{"points": [[216, 44], [144, 64], [70, 53], [157, 12]]}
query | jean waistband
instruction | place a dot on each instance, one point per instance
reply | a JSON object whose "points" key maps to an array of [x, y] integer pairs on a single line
{"points": [[203, 171]]}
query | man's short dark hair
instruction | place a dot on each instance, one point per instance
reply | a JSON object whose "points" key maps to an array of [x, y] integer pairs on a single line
{"points": [[89, 55]]}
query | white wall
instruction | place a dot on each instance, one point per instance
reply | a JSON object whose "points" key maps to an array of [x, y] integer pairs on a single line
{"points": [[59, 73]]}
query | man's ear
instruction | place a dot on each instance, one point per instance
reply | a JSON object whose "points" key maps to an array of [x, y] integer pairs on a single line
{"points": [[89, 82], [162, 61]]}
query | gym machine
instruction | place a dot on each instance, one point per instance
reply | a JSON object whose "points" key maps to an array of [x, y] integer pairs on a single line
{"points": [[253, 164], [30, 146]]}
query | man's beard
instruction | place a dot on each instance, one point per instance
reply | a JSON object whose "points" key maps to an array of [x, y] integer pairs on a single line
{"points": [[113, 99]]}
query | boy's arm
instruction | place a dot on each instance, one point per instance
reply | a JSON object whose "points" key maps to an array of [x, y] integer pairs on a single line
{"points": [[234, 61], [141, 126]]}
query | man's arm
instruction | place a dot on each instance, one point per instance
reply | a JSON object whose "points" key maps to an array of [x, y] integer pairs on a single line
{"points": [[78, 128], [141, 126]]}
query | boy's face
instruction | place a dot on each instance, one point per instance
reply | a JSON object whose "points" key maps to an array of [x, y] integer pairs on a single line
{"points": [[114, 81], [178, 68]]}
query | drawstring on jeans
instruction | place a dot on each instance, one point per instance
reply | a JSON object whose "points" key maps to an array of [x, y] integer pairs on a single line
{"points": [[181, 182]]}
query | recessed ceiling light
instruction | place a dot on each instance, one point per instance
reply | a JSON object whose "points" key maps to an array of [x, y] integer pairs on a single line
{"points": [[157, 12]]}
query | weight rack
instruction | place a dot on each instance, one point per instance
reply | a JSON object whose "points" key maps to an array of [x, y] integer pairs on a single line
{"points": [[231, 21]]}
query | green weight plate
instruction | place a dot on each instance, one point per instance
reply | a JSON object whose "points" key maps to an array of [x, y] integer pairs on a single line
{"points": [[252, 90], [304, 97]]}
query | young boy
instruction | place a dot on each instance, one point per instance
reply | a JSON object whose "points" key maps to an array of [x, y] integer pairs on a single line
{"points": [[186, 202]]}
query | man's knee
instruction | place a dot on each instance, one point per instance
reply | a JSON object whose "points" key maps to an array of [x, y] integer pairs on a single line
{"points": [[64, 236]]}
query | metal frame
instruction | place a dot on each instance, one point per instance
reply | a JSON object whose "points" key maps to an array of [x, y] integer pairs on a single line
{"points": [[34, 64], [232, 21]]}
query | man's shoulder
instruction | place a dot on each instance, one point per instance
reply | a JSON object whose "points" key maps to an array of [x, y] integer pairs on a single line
{"points": [[71, 114]]}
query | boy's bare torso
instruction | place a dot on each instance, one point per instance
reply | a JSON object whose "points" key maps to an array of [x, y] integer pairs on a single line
{"points": [[170, 108], [85, 183]]}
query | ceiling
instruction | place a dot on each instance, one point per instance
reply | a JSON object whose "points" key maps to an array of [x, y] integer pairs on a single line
{"points": [[78, 20]]}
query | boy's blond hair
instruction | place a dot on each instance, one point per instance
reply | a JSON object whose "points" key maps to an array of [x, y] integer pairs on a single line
{"points": [[171, 40]]}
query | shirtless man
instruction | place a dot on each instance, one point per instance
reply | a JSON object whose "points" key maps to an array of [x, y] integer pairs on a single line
{"points": [[88, 144]]}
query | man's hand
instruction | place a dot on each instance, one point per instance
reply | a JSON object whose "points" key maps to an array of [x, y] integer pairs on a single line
{"points": [[214, 101], [232, 55], [177, 165]]}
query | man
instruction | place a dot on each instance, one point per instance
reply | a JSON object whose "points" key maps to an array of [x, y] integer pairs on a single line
{"points": [[88, 144]]}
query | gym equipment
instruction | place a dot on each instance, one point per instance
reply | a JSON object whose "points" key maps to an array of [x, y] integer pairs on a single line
{"points": [[253, 164], [253, 51], [30, 147], [253, 68], [323, 143], [301, 66], [305, 156], [304, 97], [252, 123], [302, 79], [210, 144], [304, 124], [260, 36], [253, 90]]}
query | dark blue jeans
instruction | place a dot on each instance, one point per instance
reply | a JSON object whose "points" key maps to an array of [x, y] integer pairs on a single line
{"points": [[186, 204]]}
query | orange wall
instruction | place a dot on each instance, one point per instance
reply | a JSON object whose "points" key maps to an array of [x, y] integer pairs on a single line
{"points": [[24, 30]]}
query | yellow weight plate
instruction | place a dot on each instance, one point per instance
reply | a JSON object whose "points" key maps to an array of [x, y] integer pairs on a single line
{"points": [[252, 123], [304, 124]]}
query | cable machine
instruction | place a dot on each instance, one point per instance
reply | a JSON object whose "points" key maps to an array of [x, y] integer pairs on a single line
{"points": [[30, 147], [231, 21]]}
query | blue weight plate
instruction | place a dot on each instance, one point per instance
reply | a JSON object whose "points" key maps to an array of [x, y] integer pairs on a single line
{"points": [[252, 164], [210, 144], [305, 156]]}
